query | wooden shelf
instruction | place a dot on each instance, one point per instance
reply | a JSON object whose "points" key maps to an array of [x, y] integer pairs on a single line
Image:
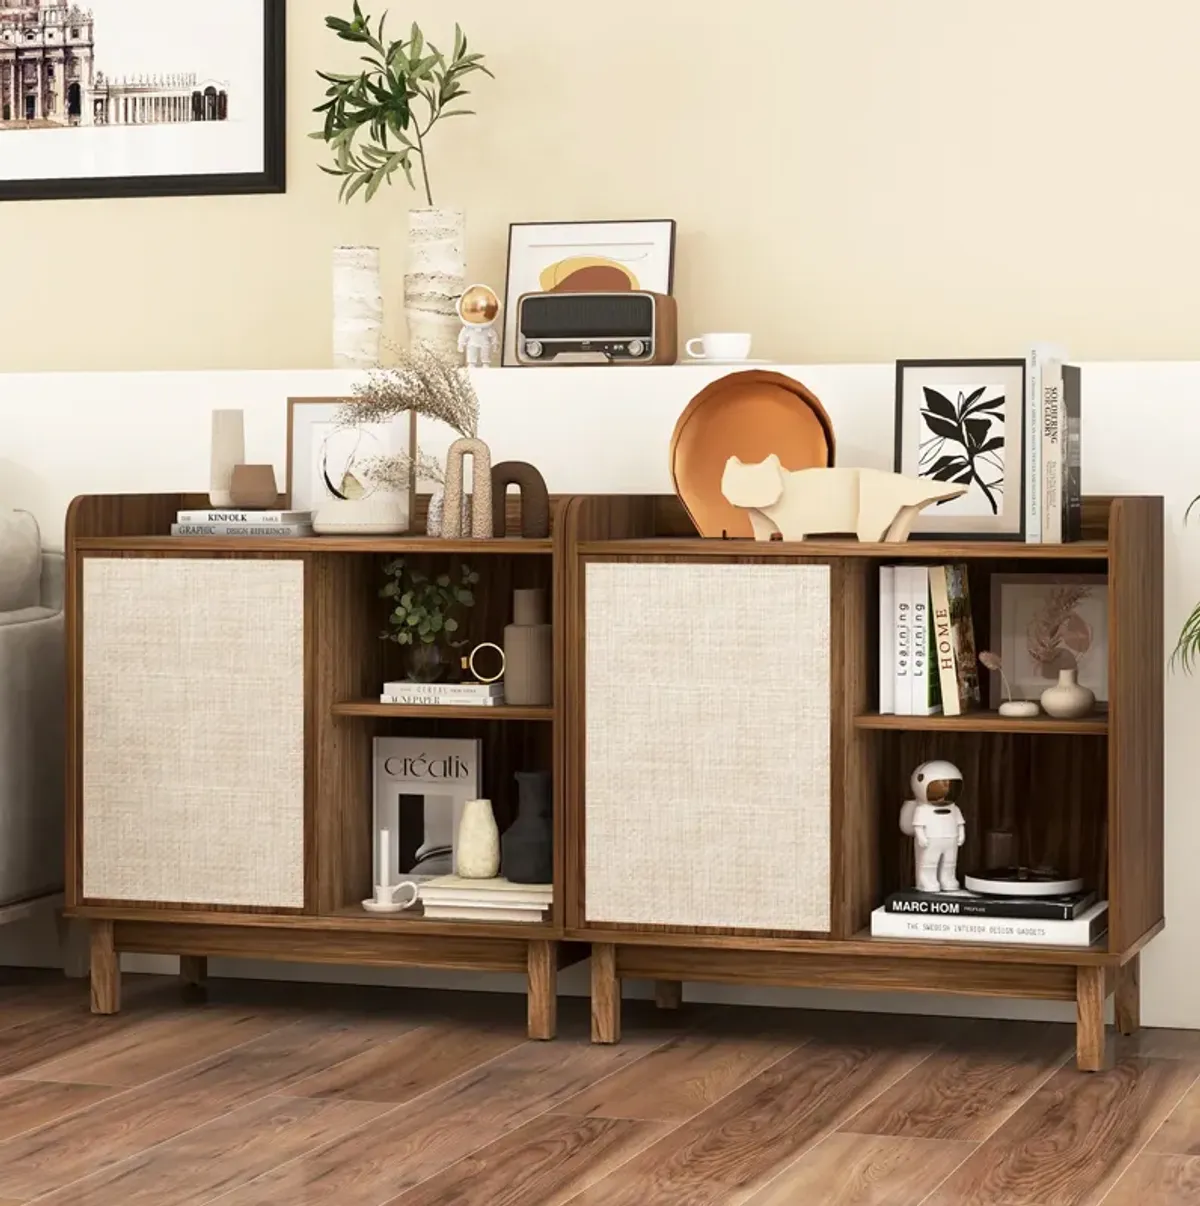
{"points": [[987, 952], [413, 921], [367, 707], [912, 550], [395, 545], [983, 722]]}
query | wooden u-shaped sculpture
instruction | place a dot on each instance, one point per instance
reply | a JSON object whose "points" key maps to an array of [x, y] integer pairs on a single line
{"points": [[481, 490], [535, 499]]}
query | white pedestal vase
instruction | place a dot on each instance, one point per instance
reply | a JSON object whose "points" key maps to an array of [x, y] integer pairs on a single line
{"points": [[435, 278], [357, 307]]}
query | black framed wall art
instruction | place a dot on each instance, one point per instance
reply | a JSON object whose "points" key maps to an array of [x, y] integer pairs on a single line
{"points": [[963, 422], [141, 98]]}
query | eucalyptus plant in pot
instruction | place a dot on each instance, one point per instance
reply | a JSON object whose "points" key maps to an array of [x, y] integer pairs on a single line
{"points": [[428, 611], [377, 122]]}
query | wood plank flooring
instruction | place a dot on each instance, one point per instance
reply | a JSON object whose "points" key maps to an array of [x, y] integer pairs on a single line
{"points": [[369, 1097]]}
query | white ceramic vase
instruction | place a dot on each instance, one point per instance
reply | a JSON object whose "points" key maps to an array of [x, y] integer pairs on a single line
{"points": [[228, 451], [357, 307], [477, 845], [435, 278], [1067, 699]]}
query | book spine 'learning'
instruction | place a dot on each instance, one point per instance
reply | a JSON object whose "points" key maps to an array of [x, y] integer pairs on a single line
{"points": [[887, 639], [902, 639], [925, 692]]}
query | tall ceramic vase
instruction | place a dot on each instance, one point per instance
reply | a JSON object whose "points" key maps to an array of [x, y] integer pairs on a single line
{"points": [[528, 652], [357, 307], [528, 844], [228, 451], [435, 279]]}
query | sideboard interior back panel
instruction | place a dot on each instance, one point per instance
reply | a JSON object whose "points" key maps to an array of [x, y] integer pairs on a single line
{"points": [[708, 745], [193, 731]]}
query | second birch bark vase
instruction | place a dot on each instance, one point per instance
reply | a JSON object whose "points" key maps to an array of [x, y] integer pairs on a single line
{"points": [[357, 307], [435, 279]]}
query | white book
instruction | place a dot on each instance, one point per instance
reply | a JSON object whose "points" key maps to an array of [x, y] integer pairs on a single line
{"points": [[887, 639], [921, 677], [1082, 931], [1051, 433], [445, 690], [239, 529], [497, 888], [945, 664], [235, 515], [466, 913], [498, 900], [903, 639], [435, 701], [1033, 447]]}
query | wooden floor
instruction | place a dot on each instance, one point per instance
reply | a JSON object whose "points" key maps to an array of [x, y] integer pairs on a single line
{"points": [[363, 1097]]}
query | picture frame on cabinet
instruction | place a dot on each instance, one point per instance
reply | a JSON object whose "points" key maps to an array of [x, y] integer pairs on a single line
{"points": [[963, 422], [135, 98]]}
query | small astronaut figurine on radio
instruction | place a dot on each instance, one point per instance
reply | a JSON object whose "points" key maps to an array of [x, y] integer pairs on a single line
{"points": [[479, 308], [933, 821]]}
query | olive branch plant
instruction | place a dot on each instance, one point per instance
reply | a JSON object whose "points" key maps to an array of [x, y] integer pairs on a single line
{"points": [[1187, 648], [370, 121]]}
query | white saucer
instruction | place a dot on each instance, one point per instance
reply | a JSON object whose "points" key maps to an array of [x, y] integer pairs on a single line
{"points": [[723, 363], [373, 906]]}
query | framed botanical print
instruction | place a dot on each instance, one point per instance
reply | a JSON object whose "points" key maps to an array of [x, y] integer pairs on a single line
{"points": [[140, 98], [585, 257], [963, 422]]}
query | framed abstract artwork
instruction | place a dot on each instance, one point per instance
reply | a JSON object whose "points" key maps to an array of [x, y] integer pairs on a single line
{"points": [[963, 422], [137, 98], [585, 257]]}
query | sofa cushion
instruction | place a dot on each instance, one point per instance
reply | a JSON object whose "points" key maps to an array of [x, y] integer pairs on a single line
{"points": [[20, 561]]}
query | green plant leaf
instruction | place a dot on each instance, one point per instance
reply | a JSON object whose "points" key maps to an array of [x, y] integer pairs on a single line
{"points": [[451, 625]]}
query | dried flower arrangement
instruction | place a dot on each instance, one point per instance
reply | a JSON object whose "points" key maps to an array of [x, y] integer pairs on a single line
{"points": [[1058, 636], [422, 382], [993, 663]]}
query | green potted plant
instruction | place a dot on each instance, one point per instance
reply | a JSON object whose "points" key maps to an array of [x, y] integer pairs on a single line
{"points": [[427, 614], [377, 122]]}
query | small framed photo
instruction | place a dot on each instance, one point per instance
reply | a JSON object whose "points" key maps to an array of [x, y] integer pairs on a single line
{"points": [[1044, 623], [327, 460], [963, 422], [585, 257], [137, 98]]}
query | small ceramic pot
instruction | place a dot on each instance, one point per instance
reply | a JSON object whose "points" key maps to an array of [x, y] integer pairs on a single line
{"points": [[1067, 699]]}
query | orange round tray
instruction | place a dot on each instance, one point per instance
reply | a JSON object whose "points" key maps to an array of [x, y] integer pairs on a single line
{"points": [[748, 415]]}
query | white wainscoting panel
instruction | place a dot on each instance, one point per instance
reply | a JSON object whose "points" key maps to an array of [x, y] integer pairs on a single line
{"points": [[708, 727], [193, 731]]}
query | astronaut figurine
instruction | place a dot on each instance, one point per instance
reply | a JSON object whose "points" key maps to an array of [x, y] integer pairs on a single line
{"points": [[479, 308], [933, 821]]}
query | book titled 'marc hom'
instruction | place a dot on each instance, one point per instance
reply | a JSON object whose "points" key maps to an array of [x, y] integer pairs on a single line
{"points": [[916, 903], [1080, 931]]}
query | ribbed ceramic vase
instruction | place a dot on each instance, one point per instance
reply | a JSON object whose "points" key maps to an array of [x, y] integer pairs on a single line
{"points": [[528, 650], [228, 451], [357, 307], [527, 848], [435, 279], [477, 844]]}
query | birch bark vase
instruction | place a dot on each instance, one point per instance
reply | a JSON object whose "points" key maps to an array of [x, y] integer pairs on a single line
{"points": [[435, 279], [228, 451], [357, 307]]}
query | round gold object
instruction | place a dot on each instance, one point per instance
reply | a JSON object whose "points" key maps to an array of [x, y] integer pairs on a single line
{"points": [[479, 305], [470, 662]]}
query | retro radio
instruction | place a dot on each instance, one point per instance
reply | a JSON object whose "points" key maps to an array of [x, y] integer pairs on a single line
{"points": [[596, 328]]}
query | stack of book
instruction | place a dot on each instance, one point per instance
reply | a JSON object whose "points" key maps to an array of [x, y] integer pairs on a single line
{"points": [[1053, 481], [1076, 920], [926, 641], [451, 898], [233, 522], [470, 695]]}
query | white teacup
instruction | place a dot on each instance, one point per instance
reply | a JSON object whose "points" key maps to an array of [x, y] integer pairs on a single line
{"points": [[720, 345], [385, 895]]}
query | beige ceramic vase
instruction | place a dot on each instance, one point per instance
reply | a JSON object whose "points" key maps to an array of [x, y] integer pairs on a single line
{"points": [[1067, 699]]}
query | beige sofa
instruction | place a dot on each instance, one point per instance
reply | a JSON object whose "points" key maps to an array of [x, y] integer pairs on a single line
{"points": [[32, 678]]}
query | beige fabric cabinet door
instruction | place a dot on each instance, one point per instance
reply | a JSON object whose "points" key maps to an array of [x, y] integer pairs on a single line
{"points": [[193, 731], [708, 725]]}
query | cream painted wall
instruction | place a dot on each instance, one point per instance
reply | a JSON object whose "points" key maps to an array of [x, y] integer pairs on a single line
{"points": [[853, 181]]}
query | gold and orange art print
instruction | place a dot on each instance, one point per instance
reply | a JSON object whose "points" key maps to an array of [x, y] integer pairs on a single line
{"points": [[585, 257]]}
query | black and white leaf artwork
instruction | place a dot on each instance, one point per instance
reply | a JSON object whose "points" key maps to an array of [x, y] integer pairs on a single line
{"points": [[962, 441]]}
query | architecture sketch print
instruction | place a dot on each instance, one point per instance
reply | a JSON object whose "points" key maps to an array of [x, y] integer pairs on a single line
{"points": [[962, 440]]}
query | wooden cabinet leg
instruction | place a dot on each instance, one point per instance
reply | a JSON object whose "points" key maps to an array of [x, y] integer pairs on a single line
{"points": [[1090, 1044], [606, 994], [193, 976], [543, 989], [106, 969], [1129, 997], [668, 994]]}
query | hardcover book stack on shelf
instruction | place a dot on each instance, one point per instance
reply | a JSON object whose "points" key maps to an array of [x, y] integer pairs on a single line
{"points": [[451, 898], [471, 695], [927, 660], [1053, 480], [234, 522]]}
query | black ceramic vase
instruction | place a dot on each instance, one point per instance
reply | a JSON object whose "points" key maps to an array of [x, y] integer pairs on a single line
{"points": [[527, 847]]}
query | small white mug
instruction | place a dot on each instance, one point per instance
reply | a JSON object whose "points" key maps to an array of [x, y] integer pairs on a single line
{"points": [[385, 895], [721, 345]]}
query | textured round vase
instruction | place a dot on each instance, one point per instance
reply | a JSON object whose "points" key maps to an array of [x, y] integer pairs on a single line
{"points": [[382, 514], [435, 279], [528, 652], [528, 844], [357, 307], [1067, 699], [477, 844]]}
